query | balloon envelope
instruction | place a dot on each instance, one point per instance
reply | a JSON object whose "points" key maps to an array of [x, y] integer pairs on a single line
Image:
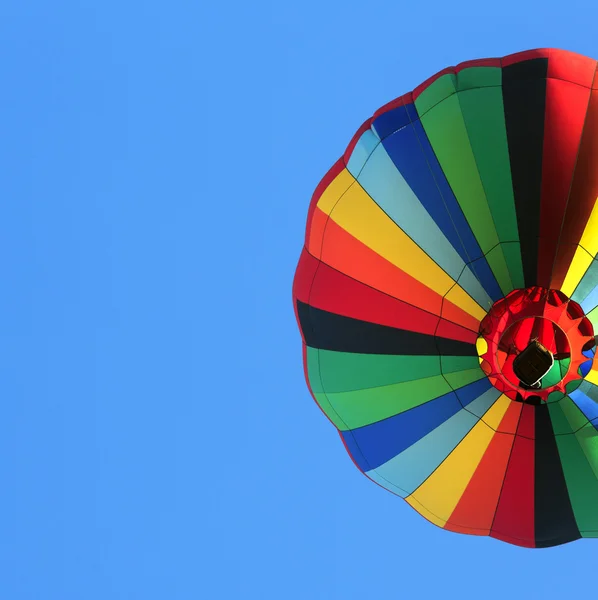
{"points": [[447, 296]]}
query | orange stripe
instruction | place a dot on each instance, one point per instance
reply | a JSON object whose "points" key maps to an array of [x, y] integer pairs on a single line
{"points": [[348, 255], [475, 510], [510, 421], [316, 235]]}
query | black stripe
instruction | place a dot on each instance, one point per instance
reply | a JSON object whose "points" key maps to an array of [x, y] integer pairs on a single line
{"points": [[524, 97], [328, 331], [554, 519]]}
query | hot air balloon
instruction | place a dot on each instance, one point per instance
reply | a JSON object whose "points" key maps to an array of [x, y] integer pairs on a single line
{"points": [[447, 296]]}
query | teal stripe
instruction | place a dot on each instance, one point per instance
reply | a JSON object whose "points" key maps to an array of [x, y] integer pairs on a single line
{"points": [[379, 177], [481, 405], [404, 473]]}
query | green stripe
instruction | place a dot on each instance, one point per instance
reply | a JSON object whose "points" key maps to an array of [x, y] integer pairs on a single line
{"points": [[479, 77], [352, 409], [450, 364], [582, 484], [557, 372], [445, 127], [555, 396], [346, 371], [575, 417], [313, 374], [512, 253], [362, 407], [462, 378], [498, 263], [435, 93], [357, 389], [484, 117], [588, 440], [560, 423]]}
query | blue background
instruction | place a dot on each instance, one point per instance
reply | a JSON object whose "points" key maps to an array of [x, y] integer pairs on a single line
{"points": [[157, 439]]}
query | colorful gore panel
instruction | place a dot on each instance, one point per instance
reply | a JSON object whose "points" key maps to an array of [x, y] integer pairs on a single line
{"points": [[447, 296]]}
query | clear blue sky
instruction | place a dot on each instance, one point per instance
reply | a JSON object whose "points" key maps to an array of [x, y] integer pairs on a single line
{"points": [[157, 440]]}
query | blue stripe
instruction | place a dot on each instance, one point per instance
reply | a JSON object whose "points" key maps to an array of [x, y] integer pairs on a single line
{"points": [[394, 119], [585, 367], [587, 406], [412, 154], [373, 445], [404, 473], [379, 177], [469, 393]]}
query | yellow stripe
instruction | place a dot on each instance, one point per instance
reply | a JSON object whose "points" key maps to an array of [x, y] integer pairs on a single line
{"points": [[592, 375], [579, 265], [481, 345], [361, 217], [336, 188], [441, 492], [424, 512], [583, 255], [496, 412]]}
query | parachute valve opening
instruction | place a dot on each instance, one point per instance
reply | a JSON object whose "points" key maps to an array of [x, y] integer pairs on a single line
{"points": [[533, 364]]}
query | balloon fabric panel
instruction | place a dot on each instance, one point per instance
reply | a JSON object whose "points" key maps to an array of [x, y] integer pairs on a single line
{"points": [[461, 224]]}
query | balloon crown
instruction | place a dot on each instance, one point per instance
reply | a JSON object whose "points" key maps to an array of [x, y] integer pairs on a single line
{"points": [[536, 345]]}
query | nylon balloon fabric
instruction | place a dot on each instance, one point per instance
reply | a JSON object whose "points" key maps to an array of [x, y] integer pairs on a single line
{"points": [[447, 295]]}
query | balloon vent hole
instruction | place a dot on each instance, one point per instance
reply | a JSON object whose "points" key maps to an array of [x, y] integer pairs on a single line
{"points": [[533, 364]]}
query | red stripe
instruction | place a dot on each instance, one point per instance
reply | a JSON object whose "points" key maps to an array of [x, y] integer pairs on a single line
{"points": [[514, 520], [449, 330], [475, 509], [319, 223], [304, 276], [334, 292], [527, 423], [566, 106], [511, 419], [513, 540], [325, 288], [572, 67], [348, 255], [584, 192]]}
